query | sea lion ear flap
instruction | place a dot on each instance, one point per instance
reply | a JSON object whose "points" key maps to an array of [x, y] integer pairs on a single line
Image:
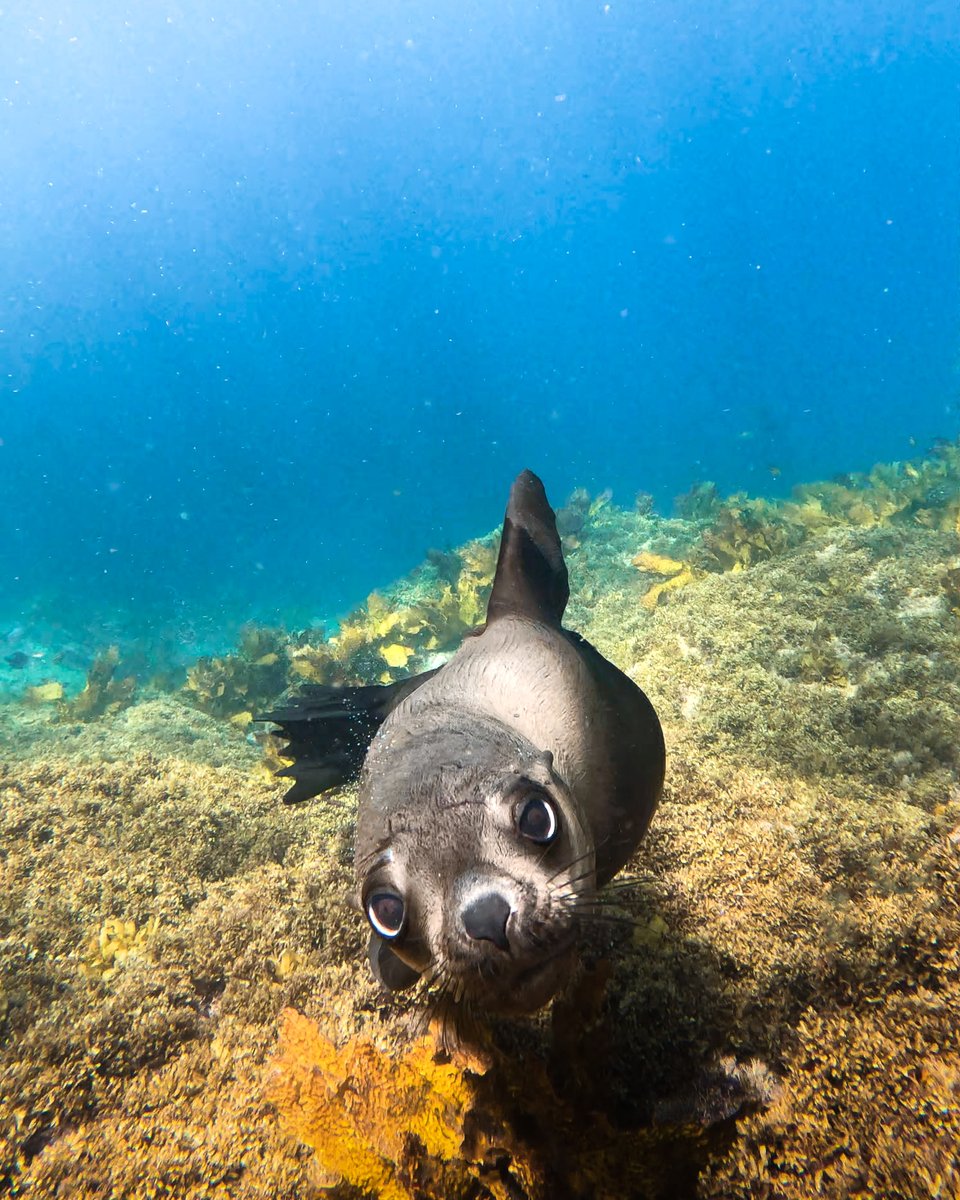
{"points": [[531, 578], [540, 769], [388, 968]]}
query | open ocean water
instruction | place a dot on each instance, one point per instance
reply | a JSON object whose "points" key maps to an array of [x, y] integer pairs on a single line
{"points": [[289, 294]]}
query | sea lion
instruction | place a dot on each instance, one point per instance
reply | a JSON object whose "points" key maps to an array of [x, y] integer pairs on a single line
{"points": [[497, 793]]}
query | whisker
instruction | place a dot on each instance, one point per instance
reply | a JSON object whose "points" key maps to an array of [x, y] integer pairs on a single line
{"points": [[544, 853], [600, 898], [622, 883], [424, 998], [576, 879], [439, 1003], [450, 1014], [568, 865], [589, 915]]}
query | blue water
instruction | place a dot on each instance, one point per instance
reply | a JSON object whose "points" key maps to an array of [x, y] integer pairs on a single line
{"points": [[289, 292]]}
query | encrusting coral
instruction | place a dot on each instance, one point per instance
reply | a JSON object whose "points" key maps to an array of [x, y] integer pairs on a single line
{"points": [[373, 1119], [406, 1118]]}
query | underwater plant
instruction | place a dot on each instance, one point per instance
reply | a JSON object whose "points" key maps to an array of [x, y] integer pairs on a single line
{"points": [[678, 574], [740, 531], [383, 640], [743, 532], [239, 683], [104, 692]]}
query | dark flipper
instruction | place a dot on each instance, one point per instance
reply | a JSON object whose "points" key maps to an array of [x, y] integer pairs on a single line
{"points": [[531, 578], [389, 970], [329, 730]]}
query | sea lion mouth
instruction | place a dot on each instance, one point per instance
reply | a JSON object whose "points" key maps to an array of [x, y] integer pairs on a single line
{"points": [[530, 975], [524, 991], [509, 984]]}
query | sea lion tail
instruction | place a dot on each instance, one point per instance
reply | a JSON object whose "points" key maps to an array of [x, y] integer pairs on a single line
{"points": [[531, 578], [329, 730]]}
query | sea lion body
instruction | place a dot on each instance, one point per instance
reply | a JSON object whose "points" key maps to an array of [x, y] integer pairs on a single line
{"points": [[555, 692], [498, 792]]}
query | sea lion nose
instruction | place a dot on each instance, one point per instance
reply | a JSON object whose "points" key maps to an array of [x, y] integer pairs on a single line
{"points": [[485, 919]]}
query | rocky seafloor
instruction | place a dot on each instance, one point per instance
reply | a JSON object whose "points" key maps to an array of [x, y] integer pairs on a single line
{"points": [[185, 1005]]}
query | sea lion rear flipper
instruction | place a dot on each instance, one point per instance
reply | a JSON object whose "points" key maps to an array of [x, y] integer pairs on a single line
{"points": [[329, 730], [531, 578]]}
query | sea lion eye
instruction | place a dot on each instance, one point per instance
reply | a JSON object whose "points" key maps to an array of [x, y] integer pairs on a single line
{"points": [[385, 912], [537, 820]]}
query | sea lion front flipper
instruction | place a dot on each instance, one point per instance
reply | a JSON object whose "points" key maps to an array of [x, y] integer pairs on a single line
{"points": [[388, 968], [329, 730], [531, 579]]}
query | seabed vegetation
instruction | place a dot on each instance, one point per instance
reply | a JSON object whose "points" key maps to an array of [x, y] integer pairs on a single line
{"points": [[185, 1005]]}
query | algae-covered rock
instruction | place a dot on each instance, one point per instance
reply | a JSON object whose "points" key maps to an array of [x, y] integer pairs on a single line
{"points": [[838, 660], [871, 1097], [769, 1001]]}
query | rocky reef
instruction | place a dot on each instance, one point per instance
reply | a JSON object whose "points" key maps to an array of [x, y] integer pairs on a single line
{"points": [[771, 1009]]}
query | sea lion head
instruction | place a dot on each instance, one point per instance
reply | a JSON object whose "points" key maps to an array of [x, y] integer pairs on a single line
{"points": [[473, 867]]}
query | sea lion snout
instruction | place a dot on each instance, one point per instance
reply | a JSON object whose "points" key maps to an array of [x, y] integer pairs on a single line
{"points": [[485, 919], [505, 944]]}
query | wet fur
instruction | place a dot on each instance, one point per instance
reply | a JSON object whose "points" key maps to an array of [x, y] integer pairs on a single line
{"points": [[525, 707]]}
